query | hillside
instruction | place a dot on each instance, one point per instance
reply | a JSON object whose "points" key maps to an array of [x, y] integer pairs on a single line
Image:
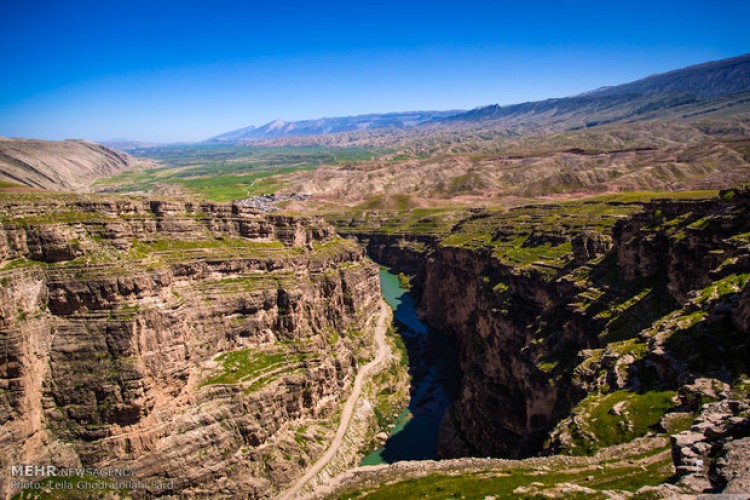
{"points": [[672, 156], [711, 79], [702, 89], [59, 165], [279, 128], [717, 83]]}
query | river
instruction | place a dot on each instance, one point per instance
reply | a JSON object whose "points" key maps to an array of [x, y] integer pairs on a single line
{"points": [[433, 369]]}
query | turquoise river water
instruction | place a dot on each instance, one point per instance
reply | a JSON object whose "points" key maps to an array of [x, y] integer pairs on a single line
{"points": [[432, 366]]}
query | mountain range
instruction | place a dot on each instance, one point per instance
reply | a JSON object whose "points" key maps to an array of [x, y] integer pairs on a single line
{"points": [[280, 128], [685, 129], [717, 85]]}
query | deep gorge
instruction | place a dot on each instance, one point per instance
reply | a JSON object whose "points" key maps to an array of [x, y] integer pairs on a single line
{"points": [[215, 344], [642, 298], [432, 369]]}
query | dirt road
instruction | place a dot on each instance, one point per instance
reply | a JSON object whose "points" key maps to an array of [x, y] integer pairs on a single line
{"points": [[348, 411]]}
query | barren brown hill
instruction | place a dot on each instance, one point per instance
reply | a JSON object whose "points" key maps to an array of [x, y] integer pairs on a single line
{"points": [[671, 156], [58, 165]]}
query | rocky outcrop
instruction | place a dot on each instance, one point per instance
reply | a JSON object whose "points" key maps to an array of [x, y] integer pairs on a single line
{"points": [[208, 346], [714, 454], [690, 252], [589, 246], [59, 165], [519, 328], [496, 370]]}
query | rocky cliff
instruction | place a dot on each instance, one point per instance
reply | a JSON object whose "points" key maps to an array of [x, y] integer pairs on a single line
{"points": [[58, 165], [648, 305], [588, 324], [205, 346]]}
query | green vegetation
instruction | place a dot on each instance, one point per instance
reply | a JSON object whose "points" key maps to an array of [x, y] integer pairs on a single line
{"points": [[680, 422], [20, 263], [526, 482], [618, 417], [535, 237], [404, 281], [10, 185], [53, 217], [646, 196], [243, 365], [175, 245], [227, 172], [733, 283]]}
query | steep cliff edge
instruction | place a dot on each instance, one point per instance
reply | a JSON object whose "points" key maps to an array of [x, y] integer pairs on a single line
{"points": [[569, 313], [588, 324], [205, 346], [58, 165]]}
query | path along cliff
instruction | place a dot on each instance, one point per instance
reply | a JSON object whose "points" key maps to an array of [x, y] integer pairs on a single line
{"points": [[348, 409]]}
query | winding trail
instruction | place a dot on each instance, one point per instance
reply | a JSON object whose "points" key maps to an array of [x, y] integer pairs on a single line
{"points": [[348, 411]]}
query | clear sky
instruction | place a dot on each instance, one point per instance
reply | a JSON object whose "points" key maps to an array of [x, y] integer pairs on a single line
{"points": [[188, 70]]}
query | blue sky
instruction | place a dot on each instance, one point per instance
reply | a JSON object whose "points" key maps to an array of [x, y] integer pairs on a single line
{"points": [[188, 70]]}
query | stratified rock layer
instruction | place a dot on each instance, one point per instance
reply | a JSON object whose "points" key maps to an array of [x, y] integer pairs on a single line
{"points": [[651, 307], [208, 346]]}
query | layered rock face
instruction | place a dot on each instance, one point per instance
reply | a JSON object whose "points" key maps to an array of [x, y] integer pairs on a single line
{"points": [[650, 304], [579, 325], [205, 345], [505, 400]]}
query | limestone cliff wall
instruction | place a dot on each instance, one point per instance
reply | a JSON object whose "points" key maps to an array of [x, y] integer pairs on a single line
{"points": [[205, 344], [531, 338]]}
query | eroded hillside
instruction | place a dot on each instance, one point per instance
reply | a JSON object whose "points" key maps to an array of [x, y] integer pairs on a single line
{"points": [[206, 346], [59, 165], [656, 156]]}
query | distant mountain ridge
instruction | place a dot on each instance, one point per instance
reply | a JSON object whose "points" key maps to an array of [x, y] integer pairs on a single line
{"points": [[127, 144], [707, 80], [683, 90], [280, 128], [714, 81]]}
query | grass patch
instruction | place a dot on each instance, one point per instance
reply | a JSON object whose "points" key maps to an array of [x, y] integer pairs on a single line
{"points": [[502, 484], [618, 417], [243, 364]]}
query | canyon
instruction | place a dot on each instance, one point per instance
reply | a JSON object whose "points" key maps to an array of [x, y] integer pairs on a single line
{"points": [[210, 347], [584, 263], [583, 326], [205, 346]]}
